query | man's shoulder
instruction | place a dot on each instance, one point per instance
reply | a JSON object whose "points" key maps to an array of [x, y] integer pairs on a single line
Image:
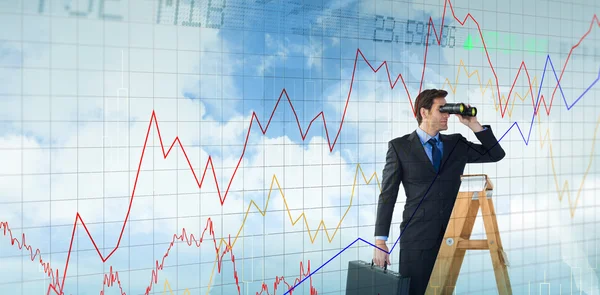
{"points": [[399, 144], [402, 144], [401, 139]]}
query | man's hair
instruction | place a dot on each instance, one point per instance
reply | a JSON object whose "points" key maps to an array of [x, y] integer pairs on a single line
{"points": [[425, 100]]}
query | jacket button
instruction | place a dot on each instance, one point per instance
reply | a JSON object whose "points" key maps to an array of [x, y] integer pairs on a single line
{"points": [[440, 194]]}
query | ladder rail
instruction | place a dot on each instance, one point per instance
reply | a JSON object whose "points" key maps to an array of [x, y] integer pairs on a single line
{"points": [[457, 240]]}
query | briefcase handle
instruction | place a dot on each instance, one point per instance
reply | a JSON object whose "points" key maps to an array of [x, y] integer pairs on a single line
{"points": [[384, 266]]}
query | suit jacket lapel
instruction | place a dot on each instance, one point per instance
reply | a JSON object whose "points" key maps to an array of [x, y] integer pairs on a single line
{"points": [[418, 151], [448, 145]]}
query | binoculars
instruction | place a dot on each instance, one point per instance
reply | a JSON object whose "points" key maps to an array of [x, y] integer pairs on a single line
{"points": [[459, 108]]}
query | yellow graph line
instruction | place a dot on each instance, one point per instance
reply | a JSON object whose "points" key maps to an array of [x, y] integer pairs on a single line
{"points": [[543, 140], [488, 86], [565, 186], [322, 225], [168, 286], [303, 215]]}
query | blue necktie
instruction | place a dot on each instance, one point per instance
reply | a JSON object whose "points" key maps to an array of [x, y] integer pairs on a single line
{"points": [[435, 154]]}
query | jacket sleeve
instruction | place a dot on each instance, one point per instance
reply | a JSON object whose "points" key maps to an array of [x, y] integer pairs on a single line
{"points": [[390, 184], [488, 151]]}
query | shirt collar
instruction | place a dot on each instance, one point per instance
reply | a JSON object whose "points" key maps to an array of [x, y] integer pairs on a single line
{"points": [[424, 137]]}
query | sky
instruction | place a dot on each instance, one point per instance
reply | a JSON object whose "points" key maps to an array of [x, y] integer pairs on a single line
{"points": [[94, 91]]}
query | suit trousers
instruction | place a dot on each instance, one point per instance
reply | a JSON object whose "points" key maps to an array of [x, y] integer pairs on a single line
{"points": [[418, 265]]}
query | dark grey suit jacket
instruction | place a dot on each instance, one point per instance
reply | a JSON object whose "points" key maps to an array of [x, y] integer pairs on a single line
{"points": [[406, 162]]}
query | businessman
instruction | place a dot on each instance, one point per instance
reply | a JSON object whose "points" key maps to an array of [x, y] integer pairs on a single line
{"points": [[429, 165]]}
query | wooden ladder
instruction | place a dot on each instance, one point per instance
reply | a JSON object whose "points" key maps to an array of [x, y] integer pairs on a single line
{"points": [[476, 191]]}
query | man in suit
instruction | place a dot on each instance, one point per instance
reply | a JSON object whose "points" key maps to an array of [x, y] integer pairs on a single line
{"points": [[429, 164]]}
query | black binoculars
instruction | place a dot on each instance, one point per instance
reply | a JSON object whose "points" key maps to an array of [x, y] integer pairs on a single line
{"points": [[459, 108]]}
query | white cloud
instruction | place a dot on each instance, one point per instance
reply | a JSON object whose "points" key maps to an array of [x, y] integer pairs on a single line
{"points": [[326, 178], [281, 48]]}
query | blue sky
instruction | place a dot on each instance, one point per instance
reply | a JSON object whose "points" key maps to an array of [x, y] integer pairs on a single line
{"points": [[205, 83]]}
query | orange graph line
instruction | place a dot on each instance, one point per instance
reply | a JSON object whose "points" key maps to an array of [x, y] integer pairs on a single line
{"points": [[263, 212], [565, 187]]}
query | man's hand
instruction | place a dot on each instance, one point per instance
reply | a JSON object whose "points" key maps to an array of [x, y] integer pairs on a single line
{"points": [[380, 257], [470, 122]]}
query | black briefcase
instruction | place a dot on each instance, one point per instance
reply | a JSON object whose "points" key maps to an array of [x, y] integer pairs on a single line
{"points": [[364, 278]]}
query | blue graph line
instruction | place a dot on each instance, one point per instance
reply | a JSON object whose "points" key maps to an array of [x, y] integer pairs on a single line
{"points": [[526, 141]]}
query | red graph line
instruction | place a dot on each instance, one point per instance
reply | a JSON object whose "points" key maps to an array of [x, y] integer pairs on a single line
{"points": [[78, 218]]}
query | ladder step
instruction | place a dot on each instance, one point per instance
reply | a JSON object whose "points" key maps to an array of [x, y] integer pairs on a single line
{"points": [[473, 244]]}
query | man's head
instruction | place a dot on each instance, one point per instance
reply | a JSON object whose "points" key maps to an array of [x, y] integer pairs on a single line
{"points": [[427, 106]]}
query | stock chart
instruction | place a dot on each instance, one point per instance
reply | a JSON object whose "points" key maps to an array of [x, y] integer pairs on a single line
{"points": [[237, 146]]}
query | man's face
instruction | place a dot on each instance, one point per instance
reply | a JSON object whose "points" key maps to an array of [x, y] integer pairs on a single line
{"points": [[433, 119]]}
